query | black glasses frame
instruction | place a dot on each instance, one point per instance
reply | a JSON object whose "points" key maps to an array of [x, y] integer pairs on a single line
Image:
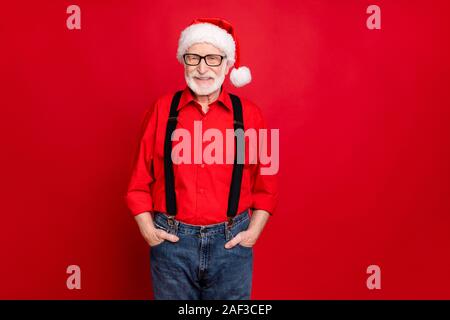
{"points": [[203, 57]]}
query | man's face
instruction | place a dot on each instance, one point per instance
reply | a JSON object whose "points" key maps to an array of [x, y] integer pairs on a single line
{"points": [[204, 79]]}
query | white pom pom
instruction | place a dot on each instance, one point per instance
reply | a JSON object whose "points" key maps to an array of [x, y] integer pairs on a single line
{"points": [[240, 77]]}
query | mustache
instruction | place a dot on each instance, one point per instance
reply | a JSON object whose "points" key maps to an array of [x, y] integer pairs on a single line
{"points": [[202, 76]]}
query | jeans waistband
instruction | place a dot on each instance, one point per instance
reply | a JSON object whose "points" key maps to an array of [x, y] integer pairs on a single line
{"points": [[161, 218]]}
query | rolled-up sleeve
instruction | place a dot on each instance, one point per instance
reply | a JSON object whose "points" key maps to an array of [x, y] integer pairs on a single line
{"points": [[138, 196], [265, 174]]}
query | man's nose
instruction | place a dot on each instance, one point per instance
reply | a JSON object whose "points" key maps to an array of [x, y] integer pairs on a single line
{"points": [[202, 67]]}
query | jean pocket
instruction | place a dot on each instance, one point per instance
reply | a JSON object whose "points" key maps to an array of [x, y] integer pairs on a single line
{"points": [[160, 226], [245, 247], [157, 245], [240, 227]]}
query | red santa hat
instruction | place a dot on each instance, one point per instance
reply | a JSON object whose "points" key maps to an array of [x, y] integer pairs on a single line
{"points": [[220, 33]]}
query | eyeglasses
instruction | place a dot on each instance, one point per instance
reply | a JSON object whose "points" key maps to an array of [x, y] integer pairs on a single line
{"points": [[212, 60]]}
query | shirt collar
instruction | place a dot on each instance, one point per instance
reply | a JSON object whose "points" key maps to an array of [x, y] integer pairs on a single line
{"points": [[188, 96]]}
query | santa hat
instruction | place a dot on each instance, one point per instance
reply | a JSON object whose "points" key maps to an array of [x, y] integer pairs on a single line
{"points": [[220, 33]]}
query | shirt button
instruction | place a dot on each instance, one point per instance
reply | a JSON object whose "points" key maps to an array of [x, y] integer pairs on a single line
{"points": [[202, 165]]}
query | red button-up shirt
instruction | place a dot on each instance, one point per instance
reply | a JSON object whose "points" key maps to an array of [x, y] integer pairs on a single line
{"points": [[201, 189]]}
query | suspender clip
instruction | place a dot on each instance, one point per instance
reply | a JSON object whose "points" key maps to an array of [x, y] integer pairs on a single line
{"points": [[230, 222], [170, 220]]}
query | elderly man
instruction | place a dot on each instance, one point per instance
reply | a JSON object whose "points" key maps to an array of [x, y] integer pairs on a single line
{"points": [[201, 220]]}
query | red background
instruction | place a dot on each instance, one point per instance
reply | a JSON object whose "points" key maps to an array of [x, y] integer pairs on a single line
{"points": [[364, 128]]}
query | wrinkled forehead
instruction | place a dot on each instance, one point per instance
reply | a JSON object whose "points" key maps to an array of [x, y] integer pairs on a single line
{"points": [[204, 48]]}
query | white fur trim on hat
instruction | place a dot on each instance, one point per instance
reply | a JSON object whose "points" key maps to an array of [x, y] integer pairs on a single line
{"points": [[206, 32], [240, 77]]}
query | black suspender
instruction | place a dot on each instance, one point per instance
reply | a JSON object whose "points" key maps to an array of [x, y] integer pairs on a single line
{"points": [[171, 203], [236, 178]]}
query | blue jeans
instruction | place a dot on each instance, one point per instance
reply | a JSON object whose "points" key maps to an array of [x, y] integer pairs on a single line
{"points": [[198, 266]]}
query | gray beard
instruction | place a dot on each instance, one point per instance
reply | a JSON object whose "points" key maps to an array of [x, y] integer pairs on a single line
{"points": [[204, 91]]}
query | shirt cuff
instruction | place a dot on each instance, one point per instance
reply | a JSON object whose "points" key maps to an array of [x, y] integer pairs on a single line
{"points": [[264, 203], [139, 202]]}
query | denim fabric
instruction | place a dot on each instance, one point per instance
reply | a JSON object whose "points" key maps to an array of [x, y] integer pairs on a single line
{"points": [[198, 266]]}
